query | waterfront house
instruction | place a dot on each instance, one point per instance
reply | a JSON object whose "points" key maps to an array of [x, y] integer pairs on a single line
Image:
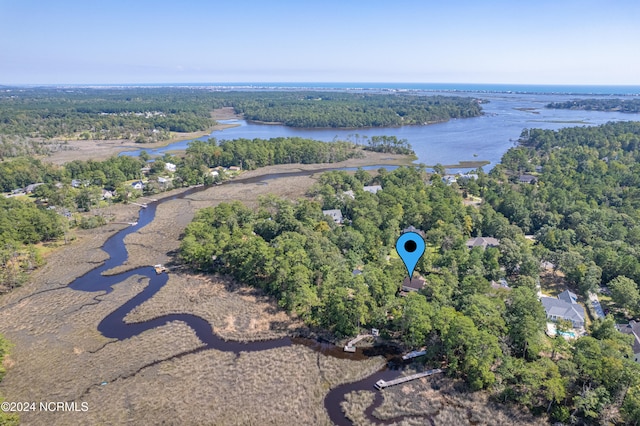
{"points": [[416, 283], [137, 185]]}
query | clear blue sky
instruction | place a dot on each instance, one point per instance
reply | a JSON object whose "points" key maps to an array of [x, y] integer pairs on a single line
{"points": [[479, 41]]}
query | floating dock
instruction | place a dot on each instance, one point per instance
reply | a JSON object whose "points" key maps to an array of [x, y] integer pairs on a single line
{"points": [[381, 384]]}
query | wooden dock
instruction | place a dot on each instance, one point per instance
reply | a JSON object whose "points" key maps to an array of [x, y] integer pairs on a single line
{"points": [[381, 384], [351, 345], [160, 269]]}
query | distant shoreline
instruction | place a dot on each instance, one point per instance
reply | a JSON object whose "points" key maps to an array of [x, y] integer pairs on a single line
{"points": [[390, 87]]}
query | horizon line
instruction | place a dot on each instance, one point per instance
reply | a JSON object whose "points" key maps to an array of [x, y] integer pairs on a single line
{"points": [[316, 82]]}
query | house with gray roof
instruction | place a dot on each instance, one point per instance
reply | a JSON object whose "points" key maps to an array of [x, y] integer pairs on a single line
{"points": [[633, 329], [568, 297], [32, 187], [527, 179], [564, 307], [483, 242], [334, 214]]}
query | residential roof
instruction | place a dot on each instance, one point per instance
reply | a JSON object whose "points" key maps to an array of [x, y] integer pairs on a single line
{"points": [[633, 328], [501, 283], [483, 242], [560, 309], [467, 176], [33, 186], [568, 297], [372, 189], [416, 283], [412, 228], [449, 179], [527, 178], [335, 214]]}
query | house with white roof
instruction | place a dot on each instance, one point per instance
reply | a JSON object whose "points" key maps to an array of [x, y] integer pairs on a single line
{"points": [[449, 179], [372, 189], [170, 167]]}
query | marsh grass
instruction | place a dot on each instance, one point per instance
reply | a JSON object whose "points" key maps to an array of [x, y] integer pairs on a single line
{"points": [[355, 404], [444, 401], [235, 312]]}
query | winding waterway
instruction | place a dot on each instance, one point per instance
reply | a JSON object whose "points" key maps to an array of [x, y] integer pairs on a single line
{"points": [[114, 326]]}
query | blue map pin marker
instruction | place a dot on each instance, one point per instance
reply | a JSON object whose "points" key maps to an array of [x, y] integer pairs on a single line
{"points": [[410, 247]]}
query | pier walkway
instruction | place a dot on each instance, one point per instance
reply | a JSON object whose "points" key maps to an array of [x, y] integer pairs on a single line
{"points": [[351, 345], [381, 384]]}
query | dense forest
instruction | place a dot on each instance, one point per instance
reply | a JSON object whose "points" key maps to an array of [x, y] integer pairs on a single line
{"points": [[582, 212], [137, 114], [23, 224], [586, 210], [253, 153], [318, 109], [620, 105], [151, 114]]}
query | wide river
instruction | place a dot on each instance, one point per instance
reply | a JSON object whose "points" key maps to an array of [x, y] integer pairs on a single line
{"points": [[486, 137]]}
